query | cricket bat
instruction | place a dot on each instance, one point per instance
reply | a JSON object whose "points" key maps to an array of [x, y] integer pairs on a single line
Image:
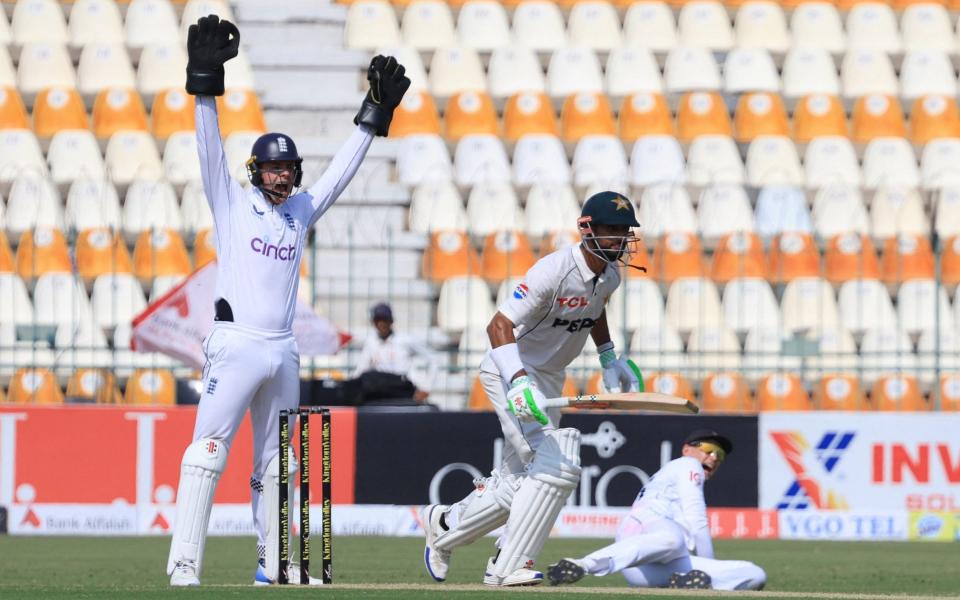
{"points": [[650, 401]]}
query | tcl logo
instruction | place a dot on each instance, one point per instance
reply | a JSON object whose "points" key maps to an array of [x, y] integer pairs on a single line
{"points": [[893, 463], [574, 302]]}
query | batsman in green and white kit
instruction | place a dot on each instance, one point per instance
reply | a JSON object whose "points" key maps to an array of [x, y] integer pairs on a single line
{"points": [[539, 330]]}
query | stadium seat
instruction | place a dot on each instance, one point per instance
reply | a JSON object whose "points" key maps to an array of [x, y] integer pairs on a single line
{"points": [[428, 25], [723, 209], [906, 257], [773, 160], [917, 308], [650, 25], [469, 113], [760, 114], [831, 161], [926, 72], [897, 393], [194, 9], [692, 303], [506, 254], [151, 387], [98, 386], [782, 391], [594, 24], [161, 67], [932, 118], [150, 205], [180, 164], [949, 392], [74, 154], [673, 384], [514, 70], [950, 262], [818, 24], [599, 160], [13, 115], [538, 25], [8, 75], [456, 69], [890, 162], [818, 115], [60, 299], [80, 344], [705, 23], [528, 113], [19, 155], [464, 303], [897, 210], [877, 116], [550, 208], [437, 206], [712, 349], [678, 256], [702, 114], [480, 158], [839, 392], [105, 66], [116, 298], [738, 255], [926, 26], [33, 202], [94, 21], [43, 65], [205, 250], [540, 159], [162, 284], [151, 22], [727, 393], [417, 114], [420, 158], [865, 304], [371, 24], [586, 114], [690, 69], [573, 70], [644, 114], [937, 162], [410, 59], [632, 71], [101, 252], [763, 355], [57, 109], [850, 256], [637, 304], [477, 400], [449, 255], [117, 110], [837, 353], [808, 305], [661, 349], [657, 159], [750, 70], [937, 356], [483, 25], [34, 386], [749, 304], [666, 208], [839, 209], [132, 155], [493, 206], [781, 209], [761, 24], [15, 305], [173, 111], [7, 263], [714, 159], [239, 110], [809, 70], [41, 251], [793, 255], [92, 203], [873, 25], [158, 253], [38, 21]]}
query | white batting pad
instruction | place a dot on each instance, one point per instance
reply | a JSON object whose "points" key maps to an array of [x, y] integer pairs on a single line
{"points": [[271, 509], [203, 462], [553, 475], [485, 509]]}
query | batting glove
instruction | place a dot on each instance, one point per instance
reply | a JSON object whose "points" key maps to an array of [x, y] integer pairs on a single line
{"points": [[210, 43], [388, 84], [619, 374], [524, 400]]}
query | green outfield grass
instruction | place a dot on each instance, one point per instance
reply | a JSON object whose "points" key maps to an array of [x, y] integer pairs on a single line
{"points": [[366, 567]]}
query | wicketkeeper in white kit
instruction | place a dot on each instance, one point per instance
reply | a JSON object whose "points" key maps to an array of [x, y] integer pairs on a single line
{"points": [[252, 356], [539, 330], [665, 540]]}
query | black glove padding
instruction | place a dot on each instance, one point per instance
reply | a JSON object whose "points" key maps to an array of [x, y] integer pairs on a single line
{"points": [[210, 43], [388, 84]]}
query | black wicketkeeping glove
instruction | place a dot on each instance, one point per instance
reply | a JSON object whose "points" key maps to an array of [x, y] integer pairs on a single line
{"points": [[210, 43], [388, 84]]}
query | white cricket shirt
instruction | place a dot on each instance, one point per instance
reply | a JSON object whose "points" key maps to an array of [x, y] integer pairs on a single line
{"points": [[259, 245], [392, 355]]}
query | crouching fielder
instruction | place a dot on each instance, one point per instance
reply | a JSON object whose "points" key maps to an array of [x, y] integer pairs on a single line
{"points": [[667, 522], [540, 328]]}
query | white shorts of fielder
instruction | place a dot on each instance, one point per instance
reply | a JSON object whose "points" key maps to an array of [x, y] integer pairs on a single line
{"points": [[246, 369], [650, 548]]}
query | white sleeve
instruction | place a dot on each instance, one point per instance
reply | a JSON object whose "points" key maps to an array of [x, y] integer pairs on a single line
{"points": [[339, 172], [365, 361], [690, 489], [531, 295], [219, 186]]}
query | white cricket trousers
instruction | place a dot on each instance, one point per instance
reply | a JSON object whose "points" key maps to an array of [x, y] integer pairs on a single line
{"points": [[248, 368], [650, 548]]}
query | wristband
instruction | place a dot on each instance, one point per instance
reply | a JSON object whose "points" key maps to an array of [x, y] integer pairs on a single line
{"points": [[607, 355], [507, 359]]}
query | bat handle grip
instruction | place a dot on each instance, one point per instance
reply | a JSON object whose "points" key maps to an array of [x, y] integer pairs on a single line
{"points": [[554, 403]]}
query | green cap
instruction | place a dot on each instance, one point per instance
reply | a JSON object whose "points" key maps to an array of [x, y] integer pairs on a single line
{"points": [[609, 208]]}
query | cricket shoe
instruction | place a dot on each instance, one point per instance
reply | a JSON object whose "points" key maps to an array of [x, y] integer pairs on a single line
{"points": [[524, 576], [568, 570], [691, 580], [184, 573], [437, 561]]}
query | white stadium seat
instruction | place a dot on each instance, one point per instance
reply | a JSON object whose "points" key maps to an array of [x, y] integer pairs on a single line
{"points": [[371, 24], [33, 202], [74, 154], [714, 159], [831, 161], [95, 21], [180, 164], [889, 162], [428, 25], [195, 209], [693, 303], [594, 24], [132, 155], [926, 72], [873, 25], [150, 205], [632, 70], [493, 207], [818, 25], [538, 24], [514, 69], [599, 159], [927, 26], [422, 158], [151, 22], [480, 158], [573, 70], [749, 304], [551, 208], [867, 71], [666, 208], [540, 159], [92, 203], [38, 21], [483, 25], [456, 69], [865, 304], [116, 298], [691, 69], [773, 160], [161, 67], [761, 24], [809, 70], [705, 23], [437, 206], [44, 65], [750, 70], [655, 159], [102, 66]]}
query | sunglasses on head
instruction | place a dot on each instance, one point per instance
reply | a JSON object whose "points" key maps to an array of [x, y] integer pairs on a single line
{"points": [[710, 448]]}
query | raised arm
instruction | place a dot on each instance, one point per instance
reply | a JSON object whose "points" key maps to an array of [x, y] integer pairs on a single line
{"points": [[219, 186]]}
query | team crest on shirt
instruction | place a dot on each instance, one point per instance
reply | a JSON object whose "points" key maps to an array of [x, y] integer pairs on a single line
{"points": [[520, 292]]}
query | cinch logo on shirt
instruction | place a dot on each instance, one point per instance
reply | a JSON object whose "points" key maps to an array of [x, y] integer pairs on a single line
{"points": [[270, 251], [573, 302], [575, 325]]}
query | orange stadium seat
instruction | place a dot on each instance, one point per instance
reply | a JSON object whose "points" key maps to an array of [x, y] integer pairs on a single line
{"points": [[643, 114], [239, 110], [678, 255], [172, 112], [702, 113], [906, 257], [793, 255], [934, 117], [557, 240], [839, 392], [93, 385], [898, 393], [469, 113], [950, 392], [758, 114], [782, 391], [478, 397], [528, 113], [449, 255], [7, 263], [13, 115], [673, 384], [728, 393], [949, 262], [100, 251], [900, 5], [876, 116], [159, 253], [205, 250], [505, 254], [151, 386], [738, 255], [640, 257], [416, 114], [41, 251], [850, 256], [586, 113], [118, 110], [57, 109], [34, 386], [818, 115]]}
